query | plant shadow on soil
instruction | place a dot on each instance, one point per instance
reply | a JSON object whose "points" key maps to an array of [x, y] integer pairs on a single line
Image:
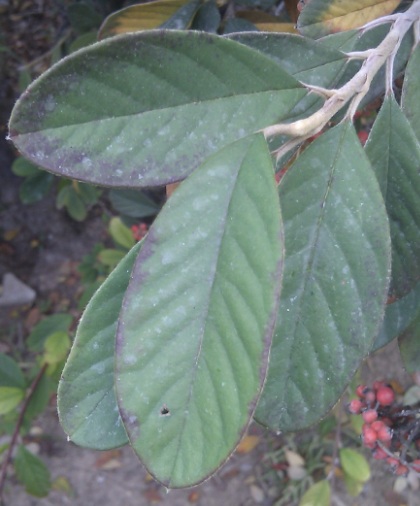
{"points": [[43, 250]]}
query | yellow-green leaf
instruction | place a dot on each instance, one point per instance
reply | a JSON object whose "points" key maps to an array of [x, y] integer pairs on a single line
{"points": [[318, 494], [354, 464], [322, 17], [267, 22], [121, 234], [56, 347], [144, 16], [10, 397]]}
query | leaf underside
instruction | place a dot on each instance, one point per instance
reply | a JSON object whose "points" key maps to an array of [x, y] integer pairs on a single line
{"points": [[198, 316], [335, 280], [147, 108], [86, 400]]}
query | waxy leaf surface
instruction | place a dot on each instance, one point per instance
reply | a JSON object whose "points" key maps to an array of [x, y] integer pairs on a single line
{"points": [[311, 63], [410, 100], [394, 153], [198, 317], [322, 17], [335, 281], [147, 108], [86, 400]]}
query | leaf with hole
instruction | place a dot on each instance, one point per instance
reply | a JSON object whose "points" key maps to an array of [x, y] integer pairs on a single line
{"points": [[335, 281], [86, 400], [197, 319], [88, 118], [394, 153]]}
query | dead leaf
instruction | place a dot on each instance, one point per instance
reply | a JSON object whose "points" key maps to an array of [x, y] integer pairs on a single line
{"points": [[152, 496], [107, 457], [294, 459], [193, 497], [257, 494], [247, 444], [9, 235]]}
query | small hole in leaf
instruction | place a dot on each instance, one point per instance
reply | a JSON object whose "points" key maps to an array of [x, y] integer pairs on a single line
{"points": [[164, 411]]}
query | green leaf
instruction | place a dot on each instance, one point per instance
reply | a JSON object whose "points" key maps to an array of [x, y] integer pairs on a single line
{"points": [[410, 100], [88, 193], [88, 118], [35, 187], [322, 17], [47, 326], [32, 473], [409, 343], [24, 168], [133, 203], [83, 17], [312, 63], [40, 398], [319, 494], [234, 25], [354, 464], [121, 234], [398, 316], [111, 257], [56, 347], [10, 397], [182, 17], [335, 281], [394, 153], [10, 373], [207, 18], [86, 400], [75, 205], [197, 320], [354, 487]]}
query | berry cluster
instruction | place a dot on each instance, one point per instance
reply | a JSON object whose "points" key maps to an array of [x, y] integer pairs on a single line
{"points": [[139, 231], [390, 430]]}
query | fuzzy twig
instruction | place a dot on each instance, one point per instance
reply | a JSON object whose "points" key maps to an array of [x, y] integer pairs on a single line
{"points": [[358, 86]]}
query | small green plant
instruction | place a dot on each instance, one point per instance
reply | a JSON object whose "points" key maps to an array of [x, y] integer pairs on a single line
{"points": [[25, 390], [244, 300], [73, 196]]}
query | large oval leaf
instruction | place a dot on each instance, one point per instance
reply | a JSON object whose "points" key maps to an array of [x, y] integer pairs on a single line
{"points": [[394, 153], [198, 317], [312, 63], [335, 280], [410, 100], [86, 400], [147, 108]]}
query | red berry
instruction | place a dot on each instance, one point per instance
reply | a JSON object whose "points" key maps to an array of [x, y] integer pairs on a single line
{"points": [[385, 396], [378, 425], [379, 454], [363, 136], [369, 436], [393, 462], [360, 391], [355, 406], [384, 434], [370, 415], [401, 470], [416, 465], [370, 397], [378, 384]]}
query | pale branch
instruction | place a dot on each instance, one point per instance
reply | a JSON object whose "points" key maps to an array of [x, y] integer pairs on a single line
{"points": [[358, 86]]}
